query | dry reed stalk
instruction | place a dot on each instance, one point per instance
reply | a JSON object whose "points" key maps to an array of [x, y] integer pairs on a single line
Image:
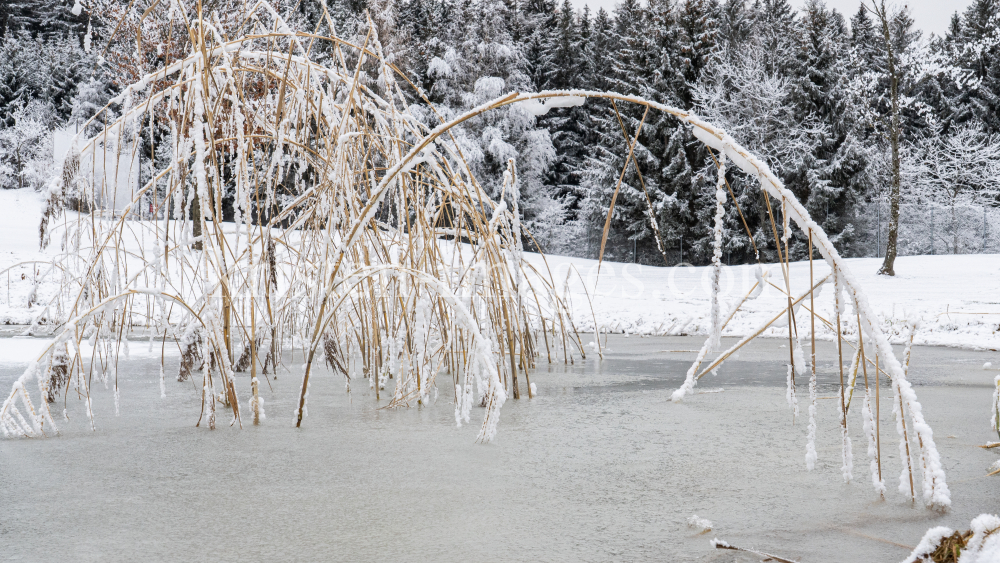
{"points": [[846, 445], [906, 440], [878, 446], [878, 419], [810, 445], [786, 274], [719, 544], [760, 330]]}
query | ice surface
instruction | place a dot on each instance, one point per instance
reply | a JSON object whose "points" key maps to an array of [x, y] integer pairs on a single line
{"points": [[599, 466]]}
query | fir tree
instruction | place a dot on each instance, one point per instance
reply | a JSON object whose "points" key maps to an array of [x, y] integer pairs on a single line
{"points": [[567, 126], [832, 176], [978, 51], [699, 35], [41, 18], [775, 24], [23, 75]]}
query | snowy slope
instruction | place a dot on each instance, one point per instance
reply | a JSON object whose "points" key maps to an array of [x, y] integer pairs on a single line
{"points": [[955, 298]]}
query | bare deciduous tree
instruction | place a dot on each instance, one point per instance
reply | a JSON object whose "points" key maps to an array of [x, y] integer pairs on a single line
{"points": [[879, 9]]}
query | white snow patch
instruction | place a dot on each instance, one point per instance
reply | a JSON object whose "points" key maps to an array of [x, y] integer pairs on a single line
{"points": [[699, 523]]}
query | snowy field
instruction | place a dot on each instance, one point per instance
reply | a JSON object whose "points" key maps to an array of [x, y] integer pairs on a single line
{"points": [[600, 466], [956, 299]]}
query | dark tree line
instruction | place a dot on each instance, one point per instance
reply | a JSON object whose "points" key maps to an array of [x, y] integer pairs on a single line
{"points": [[807, 90]]}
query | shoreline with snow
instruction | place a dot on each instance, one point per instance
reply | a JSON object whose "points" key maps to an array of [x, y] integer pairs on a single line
{"points": [[955, 298]]}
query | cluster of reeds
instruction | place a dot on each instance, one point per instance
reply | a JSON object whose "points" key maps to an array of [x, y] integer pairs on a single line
{"points": [[354, 230], [980, 543], [360, 233]]}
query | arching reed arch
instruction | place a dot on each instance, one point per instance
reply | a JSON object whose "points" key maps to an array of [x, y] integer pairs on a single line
{"points": [[357, 265]]}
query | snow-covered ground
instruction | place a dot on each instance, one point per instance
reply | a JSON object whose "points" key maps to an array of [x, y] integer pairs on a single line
{"points": [[956, 299], [20, 214]]}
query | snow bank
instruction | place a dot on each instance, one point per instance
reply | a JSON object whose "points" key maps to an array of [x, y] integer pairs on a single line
{"points": [[953, 297]]}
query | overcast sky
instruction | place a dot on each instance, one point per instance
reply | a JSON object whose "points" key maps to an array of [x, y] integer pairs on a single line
{"points": [[930, 15]]}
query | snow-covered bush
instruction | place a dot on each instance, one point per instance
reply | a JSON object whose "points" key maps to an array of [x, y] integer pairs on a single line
{"points": [[26, 147]]}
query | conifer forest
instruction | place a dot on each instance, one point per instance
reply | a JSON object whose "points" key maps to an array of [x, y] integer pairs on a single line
{"points": [[809, 88]]}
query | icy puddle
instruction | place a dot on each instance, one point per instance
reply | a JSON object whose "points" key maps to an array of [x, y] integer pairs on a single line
{"points": [[600, 466]]}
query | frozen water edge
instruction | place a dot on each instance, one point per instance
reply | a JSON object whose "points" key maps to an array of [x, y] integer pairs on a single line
{"points": [[953, 296], [600, 466]]}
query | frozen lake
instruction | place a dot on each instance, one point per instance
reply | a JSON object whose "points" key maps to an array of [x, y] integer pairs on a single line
{"points": [[599, 466]]}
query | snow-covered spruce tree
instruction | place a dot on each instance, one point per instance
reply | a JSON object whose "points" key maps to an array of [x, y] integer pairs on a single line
{"points": [[582, 203], [781, 86], [38, 77], [698, 23], [647, 58], [90, 100], [571, 66], [611, 180], [484, 62], [686, 42], [23, 73], [774, 26], [669, 182], [735, 26], [422, 20], [532, 26], [973, 45], [41, 18], [833, 176], [68, 66]]}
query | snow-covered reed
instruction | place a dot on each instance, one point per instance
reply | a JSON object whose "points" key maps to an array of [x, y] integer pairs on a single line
{"points": [[980, 544], [360, 234], [292, 203]]}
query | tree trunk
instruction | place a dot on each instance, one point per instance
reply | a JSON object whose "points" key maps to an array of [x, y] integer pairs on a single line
{"points": [[954, 229], [894, 131], [196, 220]]}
